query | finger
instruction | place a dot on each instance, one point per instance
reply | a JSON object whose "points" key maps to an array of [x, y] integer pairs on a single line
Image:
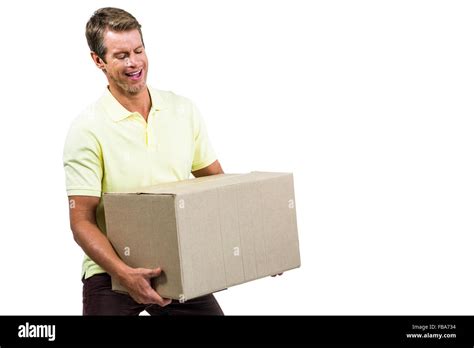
{"points": [[155, 298], [166, 301], [152, 273]]}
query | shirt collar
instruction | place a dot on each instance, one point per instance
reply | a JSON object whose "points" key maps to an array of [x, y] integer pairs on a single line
{"points": [[117, 112]]}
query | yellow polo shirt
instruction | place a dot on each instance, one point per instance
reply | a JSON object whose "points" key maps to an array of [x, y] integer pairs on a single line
{"points": [[110, 149]]}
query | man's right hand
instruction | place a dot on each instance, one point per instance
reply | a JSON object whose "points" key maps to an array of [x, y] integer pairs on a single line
{"points": [[87, 234], [137, 282]]}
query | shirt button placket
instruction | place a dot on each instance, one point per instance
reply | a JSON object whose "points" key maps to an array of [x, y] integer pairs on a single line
{"points": [[150, 133]]}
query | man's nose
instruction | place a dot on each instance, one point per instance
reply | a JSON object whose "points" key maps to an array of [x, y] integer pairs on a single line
{"points": [[130, 61]]}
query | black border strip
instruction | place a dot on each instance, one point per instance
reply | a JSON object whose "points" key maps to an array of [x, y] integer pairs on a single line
{"points": [[241, 330]]}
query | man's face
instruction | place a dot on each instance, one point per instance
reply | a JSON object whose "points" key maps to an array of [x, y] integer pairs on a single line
{"points": [[126, 64]]}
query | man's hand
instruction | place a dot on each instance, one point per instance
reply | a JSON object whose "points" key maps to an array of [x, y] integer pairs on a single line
{"points": [[95, 244], [278, 274], [137, 282]]}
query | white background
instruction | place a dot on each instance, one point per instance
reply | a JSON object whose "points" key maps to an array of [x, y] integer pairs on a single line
{"points": [[368, 103]]}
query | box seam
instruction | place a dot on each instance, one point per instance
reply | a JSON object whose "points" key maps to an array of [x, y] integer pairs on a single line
{"points": [[220, 233], [178, 230]]}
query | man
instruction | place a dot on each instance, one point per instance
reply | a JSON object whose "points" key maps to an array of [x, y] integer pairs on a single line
{"points": [[132, 136]]}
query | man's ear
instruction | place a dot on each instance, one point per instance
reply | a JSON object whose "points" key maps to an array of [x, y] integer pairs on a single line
{"points": [[98, 61]]}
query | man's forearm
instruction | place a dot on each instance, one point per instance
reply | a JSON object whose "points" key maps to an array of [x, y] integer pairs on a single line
{"points": [[212, 169], [96, 245]]}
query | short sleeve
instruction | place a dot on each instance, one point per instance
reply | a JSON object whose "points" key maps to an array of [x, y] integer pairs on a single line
{"points": [[204, 154], [82, 161]]}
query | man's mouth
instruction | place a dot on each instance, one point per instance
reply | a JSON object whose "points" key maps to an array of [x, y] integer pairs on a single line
{"points": [[135, 75]]}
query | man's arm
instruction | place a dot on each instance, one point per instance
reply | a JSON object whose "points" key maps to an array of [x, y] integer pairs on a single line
{"points": [[96, 245], [212, 169]]}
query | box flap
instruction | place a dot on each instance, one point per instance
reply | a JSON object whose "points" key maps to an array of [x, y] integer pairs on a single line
{"points": [[207, 182]]}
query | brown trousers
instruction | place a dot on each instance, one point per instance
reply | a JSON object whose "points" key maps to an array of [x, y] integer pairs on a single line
{"points": [[99, 299]]}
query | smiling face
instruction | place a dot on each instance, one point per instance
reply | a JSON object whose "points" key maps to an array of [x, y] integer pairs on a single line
{"points": [[126, 63]]}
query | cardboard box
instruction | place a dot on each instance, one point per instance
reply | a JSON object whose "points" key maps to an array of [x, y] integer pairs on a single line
{"points": [[208, 233]]}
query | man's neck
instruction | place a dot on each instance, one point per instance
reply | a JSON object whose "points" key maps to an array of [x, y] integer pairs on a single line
{"points": [[140, 102]]}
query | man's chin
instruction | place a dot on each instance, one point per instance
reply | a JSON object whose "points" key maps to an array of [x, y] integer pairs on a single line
{"points": [[128, 88], [134, 90]]}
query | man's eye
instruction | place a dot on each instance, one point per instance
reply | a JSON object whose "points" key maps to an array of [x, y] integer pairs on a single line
{"points": [[121, 56], [138, 51]]}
